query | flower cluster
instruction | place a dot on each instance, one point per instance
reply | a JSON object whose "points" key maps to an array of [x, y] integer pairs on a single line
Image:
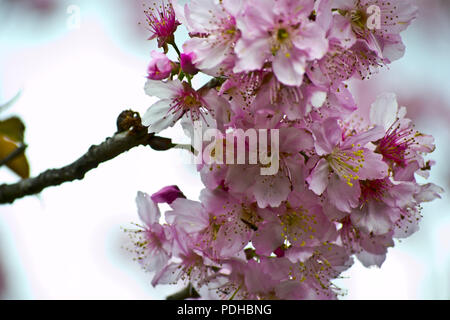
{"points": [[346, 183]]}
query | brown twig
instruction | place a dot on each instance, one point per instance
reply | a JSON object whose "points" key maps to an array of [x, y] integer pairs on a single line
{"points": [[131, 133]]}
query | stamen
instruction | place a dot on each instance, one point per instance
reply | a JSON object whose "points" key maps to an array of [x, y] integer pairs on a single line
{"points": [[346, 163]]}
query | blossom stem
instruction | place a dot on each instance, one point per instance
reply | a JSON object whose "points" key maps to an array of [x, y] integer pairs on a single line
{"points": [[188, 77], [235, 292], [174, 45]]}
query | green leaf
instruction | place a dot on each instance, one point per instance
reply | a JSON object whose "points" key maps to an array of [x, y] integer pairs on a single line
{"points": [[20, 163], [13, 128]]}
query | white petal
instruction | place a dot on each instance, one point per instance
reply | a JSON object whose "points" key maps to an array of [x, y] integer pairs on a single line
{"points": [[394, 49], [161, 89], [383, 111], [148, 210], [170, 274], [180, 13], [374, 217], [233, 7], [158, 117], [200, 15], [289, 69], [370, 259], [209, 52], [318, 99]]}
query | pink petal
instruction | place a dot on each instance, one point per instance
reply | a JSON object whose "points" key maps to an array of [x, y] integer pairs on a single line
{"points": [[318, 179], [364, 138], [268, 238], [271, 190], [188, 215], [343, 196], [373, 166], [327, 135], [251, 54], [373, 217], [311, 39]]}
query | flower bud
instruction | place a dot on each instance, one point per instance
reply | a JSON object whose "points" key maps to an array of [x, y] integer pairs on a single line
{"points": [[167, 195], [186, 63], [160, 67]]}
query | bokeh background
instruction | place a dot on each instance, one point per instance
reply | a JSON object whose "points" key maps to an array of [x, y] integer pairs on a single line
{"points": [[74, 79]]}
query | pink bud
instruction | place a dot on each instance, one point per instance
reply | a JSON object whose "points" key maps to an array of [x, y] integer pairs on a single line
{"points": [[186, 63], [167, 195], [160, 67], [279, 252]]}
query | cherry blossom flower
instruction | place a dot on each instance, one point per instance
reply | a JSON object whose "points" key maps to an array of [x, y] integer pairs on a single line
{"points": [[279, 32], [384, 40], [162, 23], [178, 99], [402, 145], [344, 163], [212, 25], [153, 241]]}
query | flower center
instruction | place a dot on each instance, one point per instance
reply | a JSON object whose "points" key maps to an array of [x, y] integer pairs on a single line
{"points": [[189, 101], [396, 143], [282, 34], [347, 163], [162, 22], [374, 189], [298, 225], [358, 18], [281, 41]]}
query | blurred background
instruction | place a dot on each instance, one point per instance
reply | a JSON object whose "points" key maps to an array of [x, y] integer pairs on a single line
{"points": [[77, 64]]}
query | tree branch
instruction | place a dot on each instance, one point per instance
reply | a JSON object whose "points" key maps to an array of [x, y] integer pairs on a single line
{"points": [[131, 133]]}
